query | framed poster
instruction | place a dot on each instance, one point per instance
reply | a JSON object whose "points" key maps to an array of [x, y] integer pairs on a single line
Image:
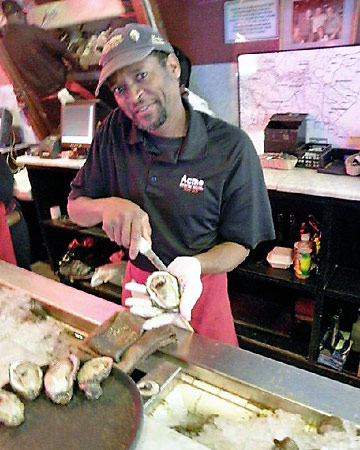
{"points": [[250, 20], [317, 23]]}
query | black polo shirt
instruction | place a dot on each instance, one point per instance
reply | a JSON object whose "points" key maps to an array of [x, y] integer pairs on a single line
{"points": [[200, 192]]}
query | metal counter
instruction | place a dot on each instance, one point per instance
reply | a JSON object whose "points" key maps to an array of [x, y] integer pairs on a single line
{"points": [[196, 353]]}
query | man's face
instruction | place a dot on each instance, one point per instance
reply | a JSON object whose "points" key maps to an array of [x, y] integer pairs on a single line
{"points": [[147, 90]]}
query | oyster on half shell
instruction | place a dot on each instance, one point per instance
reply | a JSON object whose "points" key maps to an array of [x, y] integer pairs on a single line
{"points": [[59, 379], [11, 409], [164, 290], [26, 379], [92, 373]]}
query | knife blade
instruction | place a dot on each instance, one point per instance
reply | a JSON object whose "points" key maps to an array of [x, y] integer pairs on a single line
{"points": [[146, 250]]}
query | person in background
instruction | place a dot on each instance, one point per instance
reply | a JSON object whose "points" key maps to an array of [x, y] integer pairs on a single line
{"points": [[41, 60], [296, 37], [306, 26], [14, 235], [318, 19], [195, 100], [320, 35], [332, 23], [190, 184]]}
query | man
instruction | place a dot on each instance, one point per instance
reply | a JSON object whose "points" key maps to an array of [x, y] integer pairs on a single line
{"points": [[14, 234], [40, 59], [318, 19], [306, 26], [332, 23], [190, 184]]}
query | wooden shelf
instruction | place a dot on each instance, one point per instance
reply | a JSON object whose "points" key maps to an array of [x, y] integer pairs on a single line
{"points": [[298, 360], [84, 76], [263, 299], [344, 284], [261, 270], [70, 226]]}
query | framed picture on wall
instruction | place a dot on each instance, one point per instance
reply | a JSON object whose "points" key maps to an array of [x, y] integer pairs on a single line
{"points": [[317, 23], [253, 20]]}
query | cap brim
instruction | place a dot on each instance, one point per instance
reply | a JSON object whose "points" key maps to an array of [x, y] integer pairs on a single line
{"points": [[125, 59]]}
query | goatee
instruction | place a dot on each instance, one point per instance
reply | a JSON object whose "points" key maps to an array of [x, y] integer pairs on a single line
{"points": [[163, 115]]}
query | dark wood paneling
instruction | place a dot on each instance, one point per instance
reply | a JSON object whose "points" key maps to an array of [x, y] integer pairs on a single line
{"points": [[197, 27]]}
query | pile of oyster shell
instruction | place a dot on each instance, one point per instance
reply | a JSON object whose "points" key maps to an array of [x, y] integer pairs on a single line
{"points": [[27, 380]]}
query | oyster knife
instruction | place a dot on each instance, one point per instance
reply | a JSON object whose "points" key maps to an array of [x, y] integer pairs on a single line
{"points": [[146, 250]]}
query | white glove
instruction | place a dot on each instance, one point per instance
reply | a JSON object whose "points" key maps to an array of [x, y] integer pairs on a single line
{"points": [[64, 96], [109, 273], [141, 305], [187, 270]]}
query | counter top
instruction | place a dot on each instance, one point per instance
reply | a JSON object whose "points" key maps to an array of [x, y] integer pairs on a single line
{"points": [[65, 163], [315, 391], [298, 180], [310, 182]]}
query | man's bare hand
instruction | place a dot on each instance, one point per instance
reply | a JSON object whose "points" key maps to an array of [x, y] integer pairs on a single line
{"points": [[124, 222]]}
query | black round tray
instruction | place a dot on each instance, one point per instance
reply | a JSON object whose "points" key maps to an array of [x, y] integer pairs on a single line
{"points": [[114, 421]]}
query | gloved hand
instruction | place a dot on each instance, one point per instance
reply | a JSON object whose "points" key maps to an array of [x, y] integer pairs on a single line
{"points": [[187, 270], [141, 305]]}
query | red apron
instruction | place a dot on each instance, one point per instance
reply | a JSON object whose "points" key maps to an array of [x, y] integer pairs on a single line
{"points": [[211, 316], [6, 247]]}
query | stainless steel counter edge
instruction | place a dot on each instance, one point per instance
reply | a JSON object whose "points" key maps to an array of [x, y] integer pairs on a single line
{"points": [[313, 390]]}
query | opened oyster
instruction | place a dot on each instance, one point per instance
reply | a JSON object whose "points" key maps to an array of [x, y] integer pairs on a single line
{"points": [[164, 290], [26, 378], [59, 379], [92, 373], [11, 409]]}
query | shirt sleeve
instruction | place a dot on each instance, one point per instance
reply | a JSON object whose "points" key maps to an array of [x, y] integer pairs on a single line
{"points": [[246, 216], [50, 42], [7, 181]]}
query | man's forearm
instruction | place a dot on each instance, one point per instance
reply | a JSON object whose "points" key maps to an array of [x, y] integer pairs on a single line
{"points": [[86, 211], [222, 258]]}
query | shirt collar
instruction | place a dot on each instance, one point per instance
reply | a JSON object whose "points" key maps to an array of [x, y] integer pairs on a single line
{"points": [[195, 143]]}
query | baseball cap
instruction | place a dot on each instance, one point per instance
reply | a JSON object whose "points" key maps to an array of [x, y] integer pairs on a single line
{"points": [[10, 7], [128, 45]]}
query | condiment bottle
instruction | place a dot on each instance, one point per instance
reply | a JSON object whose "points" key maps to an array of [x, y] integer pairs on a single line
{"points": [[302, 257], [355, 334]]}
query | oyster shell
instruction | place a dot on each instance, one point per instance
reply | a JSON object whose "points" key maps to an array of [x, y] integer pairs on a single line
{"points": [[330, 423], [92, 373], [59, 379], [11, 409], [164, 290], [26, 379], [285, 444]]}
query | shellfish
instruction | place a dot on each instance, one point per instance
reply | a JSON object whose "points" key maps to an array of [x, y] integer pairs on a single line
{"points": [[92, 373], [26, 379], [164, 290], [59, 379], [11, 409]]}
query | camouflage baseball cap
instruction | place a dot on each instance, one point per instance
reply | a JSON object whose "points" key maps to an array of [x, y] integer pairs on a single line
{"points": [[128, 45], [10, 7]]}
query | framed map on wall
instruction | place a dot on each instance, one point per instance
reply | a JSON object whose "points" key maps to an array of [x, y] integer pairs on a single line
{"points": [[323, 82], [317, 23]]}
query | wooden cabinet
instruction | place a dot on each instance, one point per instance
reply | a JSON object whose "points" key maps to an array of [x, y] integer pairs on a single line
{"points": [[265, 301], [51, 187]]}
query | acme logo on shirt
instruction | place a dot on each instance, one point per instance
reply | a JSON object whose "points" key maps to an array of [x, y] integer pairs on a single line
{"points": [[193, 185]]}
